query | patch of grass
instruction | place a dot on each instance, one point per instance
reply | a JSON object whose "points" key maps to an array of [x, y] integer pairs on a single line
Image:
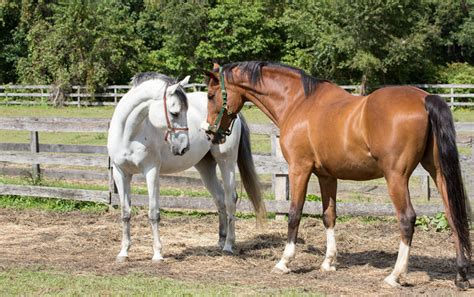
{"points": [[62, 112], [343, 219], [14, 282], [50, 204], [35, 281], [312, 197], [254, 115], [463, 115]]}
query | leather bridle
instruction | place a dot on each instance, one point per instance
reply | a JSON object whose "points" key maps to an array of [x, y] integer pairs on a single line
{"points": [[170, 129]]}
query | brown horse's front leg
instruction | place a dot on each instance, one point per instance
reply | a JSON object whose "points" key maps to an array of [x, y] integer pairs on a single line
{"points": [[328, 187], [298, 184]]}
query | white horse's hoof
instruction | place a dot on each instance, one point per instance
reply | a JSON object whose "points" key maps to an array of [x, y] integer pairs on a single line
{"points": [[328, 268], [228, 250], [392, 281], [157, 259], [121, 259], [280, 269]]}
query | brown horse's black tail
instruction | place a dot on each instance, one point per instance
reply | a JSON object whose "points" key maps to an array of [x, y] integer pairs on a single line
{"points": [[442, 125], [248, 174]]}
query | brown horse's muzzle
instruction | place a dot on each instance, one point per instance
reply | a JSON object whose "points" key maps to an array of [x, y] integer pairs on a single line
{"points": [[215, 134]]}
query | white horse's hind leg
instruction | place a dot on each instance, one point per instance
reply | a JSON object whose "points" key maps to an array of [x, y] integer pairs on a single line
{"points": [[122, 181], [207, 169], [228, 178], [153, 185]]}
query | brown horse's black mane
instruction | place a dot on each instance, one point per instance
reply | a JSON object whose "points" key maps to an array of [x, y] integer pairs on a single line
{"points": [[253, 71]]}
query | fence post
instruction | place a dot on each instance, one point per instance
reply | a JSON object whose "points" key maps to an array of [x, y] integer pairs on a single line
{"points": [[34, 148], [425, 187], [280, 181], [79, 96], [115, 95], [452, 98]]}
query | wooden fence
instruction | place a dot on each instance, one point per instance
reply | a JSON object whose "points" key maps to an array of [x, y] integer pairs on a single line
{"points": [[112, 94], [36, 153]]}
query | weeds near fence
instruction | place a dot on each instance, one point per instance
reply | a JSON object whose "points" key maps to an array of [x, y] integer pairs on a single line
{"points": [[439, 222]]}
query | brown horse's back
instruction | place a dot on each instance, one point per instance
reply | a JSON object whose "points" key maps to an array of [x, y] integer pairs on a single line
{"points": [[397, 127]]}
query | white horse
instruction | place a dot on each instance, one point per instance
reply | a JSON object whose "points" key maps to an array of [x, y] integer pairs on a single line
{"points": [[149, 134]]}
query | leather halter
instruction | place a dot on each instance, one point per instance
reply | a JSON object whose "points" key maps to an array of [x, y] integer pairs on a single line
{"points": [[170, 129], [216, 129]]}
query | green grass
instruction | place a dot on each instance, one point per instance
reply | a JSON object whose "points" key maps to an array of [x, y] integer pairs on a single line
{"points": [[463, 115], [136, 189], [15, 282], [63, 112], [50, 204], [37, 281]]}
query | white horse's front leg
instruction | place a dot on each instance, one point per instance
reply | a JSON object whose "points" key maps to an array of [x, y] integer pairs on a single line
{"points": [[153, 185], [228, 177], [122, 181]]}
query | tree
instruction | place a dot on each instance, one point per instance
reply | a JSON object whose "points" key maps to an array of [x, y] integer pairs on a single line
{"points": [[172, 34], [239, 32], [84, 42], [9, 21], [385, 41]]}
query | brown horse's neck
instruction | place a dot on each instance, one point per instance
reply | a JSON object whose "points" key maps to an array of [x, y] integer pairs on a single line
{"points": [[276, 95]]}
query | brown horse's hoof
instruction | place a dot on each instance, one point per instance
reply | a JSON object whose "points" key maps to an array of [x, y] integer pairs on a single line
{"points": [[462, 284]]}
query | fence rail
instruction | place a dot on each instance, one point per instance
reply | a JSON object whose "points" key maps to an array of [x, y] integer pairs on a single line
{"points": [[113, 93], [36, 153]]}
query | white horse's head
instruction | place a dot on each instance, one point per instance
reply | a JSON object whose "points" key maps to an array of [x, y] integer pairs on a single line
{"points": [[176, 107]]}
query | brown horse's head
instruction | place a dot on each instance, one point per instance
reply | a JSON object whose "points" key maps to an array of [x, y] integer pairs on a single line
{"points": [[224, 102]]}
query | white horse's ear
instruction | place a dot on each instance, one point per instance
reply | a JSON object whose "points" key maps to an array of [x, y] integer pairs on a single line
{"points": [[172, 89], [185, 81]]}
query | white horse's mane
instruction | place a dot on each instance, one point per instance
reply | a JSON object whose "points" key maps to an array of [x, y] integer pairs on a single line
{"points": [[133, 108]]}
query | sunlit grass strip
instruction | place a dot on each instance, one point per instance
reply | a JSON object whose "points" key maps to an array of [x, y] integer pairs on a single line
{"points": [[136, 189]]}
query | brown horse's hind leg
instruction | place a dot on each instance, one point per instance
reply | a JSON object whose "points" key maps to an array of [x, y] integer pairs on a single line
{"points": [[299, 178], [398, 190], [328, 187], [462, 263]]}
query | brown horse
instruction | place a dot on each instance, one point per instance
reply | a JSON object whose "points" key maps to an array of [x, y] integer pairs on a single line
{"points": [[327, 131]]}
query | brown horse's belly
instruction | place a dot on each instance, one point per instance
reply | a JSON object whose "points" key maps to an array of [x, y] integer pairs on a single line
{"points": [[362, 169]]}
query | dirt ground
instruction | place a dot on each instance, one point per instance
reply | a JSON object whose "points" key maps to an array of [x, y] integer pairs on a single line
{"points": [[79, 243]]}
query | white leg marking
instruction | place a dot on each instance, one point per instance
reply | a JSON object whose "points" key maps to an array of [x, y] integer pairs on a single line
{"points": [[288, 255], [331, 251], [401, 267]]}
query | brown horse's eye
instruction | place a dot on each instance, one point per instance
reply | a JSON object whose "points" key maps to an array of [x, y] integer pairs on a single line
{"points": [[210, 97]]}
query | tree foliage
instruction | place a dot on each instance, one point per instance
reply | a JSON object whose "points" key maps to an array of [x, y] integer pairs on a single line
{"points": [[98, 42]]}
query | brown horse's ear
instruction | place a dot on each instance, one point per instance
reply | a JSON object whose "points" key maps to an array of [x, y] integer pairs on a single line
{"points": [[211, 75], [216, 67]]}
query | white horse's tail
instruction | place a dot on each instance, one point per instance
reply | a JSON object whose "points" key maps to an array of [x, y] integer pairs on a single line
{"points": [[248, 173]]}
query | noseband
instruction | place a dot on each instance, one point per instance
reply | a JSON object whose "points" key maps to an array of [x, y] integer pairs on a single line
{"points": [[170, 129], [216, 128]]}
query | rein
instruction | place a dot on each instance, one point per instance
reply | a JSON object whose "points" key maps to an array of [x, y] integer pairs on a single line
{"points": [[170, 129], [216, 129]]}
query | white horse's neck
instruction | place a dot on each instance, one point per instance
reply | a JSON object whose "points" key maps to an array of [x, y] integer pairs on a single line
{"points": [[133, 108]]}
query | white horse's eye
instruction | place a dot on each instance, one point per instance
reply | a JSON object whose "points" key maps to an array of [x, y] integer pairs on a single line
{"points": [[174, 114]]}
